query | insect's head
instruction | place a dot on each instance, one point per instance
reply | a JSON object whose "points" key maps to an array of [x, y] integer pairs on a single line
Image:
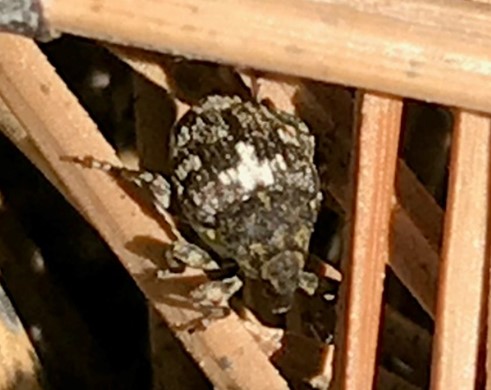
{"points": [[283, 272]]}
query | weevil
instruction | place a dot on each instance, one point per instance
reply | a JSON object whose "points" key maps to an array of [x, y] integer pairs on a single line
{"points": [[244, 179]]}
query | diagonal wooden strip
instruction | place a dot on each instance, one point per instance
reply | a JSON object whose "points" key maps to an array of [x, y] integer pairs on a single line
{"points": [[420, 206], [58, 126], [375, 165], [464, 264]]}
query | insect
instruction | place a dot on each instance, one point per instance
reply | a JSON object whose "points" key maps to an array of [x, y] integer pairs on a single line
{"points": [[244, 179]]}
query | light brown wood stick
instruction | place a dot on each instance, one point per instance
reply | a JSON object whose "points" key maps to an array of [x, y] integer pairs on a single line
{"points": [[464, 267], [375, 165], [58, 126]]}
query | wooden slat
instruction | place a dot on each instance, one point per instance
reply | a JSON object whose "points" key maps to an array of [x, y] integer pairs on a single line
{"points": [[19, 364], [408, 48], [416, 223], [375, 156], [58, 126], [464, 264]]}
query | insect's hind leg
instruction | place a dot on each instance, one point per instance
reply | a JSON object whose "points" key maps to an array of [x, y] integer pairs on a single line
{"points": [[191, 255]]}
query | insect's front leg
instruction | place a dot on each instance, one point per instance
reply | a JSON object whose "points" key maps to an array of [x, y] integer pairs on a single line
{"points": [[308, 282], [212, 297], [311, 283], [211, 300]]}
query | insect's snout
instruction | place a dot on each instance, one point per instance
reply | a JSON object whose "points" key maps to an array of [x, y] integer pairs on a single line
{"points": [[282, 272]]}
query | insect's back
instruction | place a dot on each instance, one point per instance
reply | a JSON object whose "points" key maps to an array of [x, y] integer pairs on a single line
{"points": [[244, 179]]}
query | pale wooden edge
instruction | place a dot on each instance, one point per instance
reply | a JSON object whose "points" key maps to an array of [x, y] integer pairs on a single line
{"points": [[57, 125], [410, 49], [375, 157], [465, 257]]}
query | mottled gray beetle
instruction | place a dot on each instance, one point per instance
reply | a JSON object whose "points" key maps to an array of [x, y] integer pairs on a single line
{"points": [[244, 179]]}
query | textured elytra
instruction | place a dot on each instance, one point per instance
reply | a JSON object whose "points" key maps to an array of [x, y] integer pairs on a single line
{"points": [[244, 179]]}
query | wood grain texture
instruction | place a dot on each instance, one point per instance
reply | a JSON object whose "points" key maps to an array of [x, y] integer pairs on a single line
{"points": [[464, 267], [430, 50], [57, 126], [375, 165]]}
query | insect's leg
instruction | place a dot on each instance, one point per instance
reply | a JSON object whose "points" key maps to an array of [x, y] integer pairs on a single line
{"points": [[308, 282], [212, 297], [190, 255], [311, 284]]}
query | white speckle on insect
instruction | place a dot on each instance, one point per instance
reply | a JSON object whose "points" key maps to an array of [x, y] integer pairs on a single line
{"points": [[222, 131], [161, 190], [211, 234], [209, 209], [288, 135], [183, 137], [197, 199], [180, 172], [192, 163], [224, 177], [280, 162], [249, 172]]}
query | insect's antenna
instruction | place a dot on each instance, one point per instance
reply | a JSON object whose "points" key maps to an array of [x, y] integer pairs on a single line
{"points": [[133, 176], [92, 163], [155, 189]]}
